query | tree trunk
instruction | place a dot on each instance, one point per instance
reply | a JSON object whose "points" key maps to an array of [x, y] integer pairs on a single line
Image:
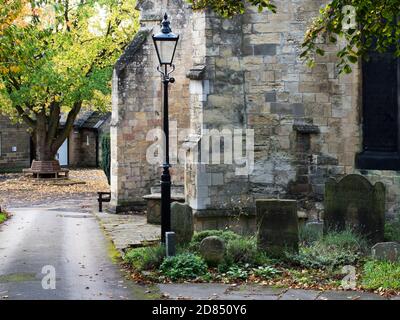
{"points": [[44, 150], [46, 131]]}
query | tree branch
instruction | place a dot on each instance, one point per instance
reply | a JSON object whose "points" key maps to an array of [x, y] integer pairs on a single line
{"points": [[28, 120], [66, 15], [67, 127]]}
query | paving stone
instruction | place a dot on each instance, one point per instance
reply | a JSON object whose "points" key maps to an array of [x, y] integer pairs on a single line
{"points": [[193, 291], [235, 296], [349, 295], [256, 289], [293, 294], [128, 230], [209, 291]]}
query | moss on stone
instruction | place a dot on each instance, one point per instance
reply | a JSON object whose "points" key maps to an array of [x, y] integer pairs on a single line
{"points": [[17, 277]]}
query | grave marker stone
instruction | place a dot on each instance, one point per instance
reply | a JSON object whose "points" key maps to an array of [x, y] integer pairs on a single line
{"points": [[212, 249], [182, 222], [387, 251], [355, 203], [278, 228]]}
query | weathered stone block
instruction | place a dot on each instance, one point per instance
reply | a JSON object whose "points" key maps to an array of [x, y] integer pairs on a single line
{"points": [[277, 223], [154, 211], [265, 49], [212, 249], [154, 206], [389, 251], [296, 109], [182, 222], [354, 202]]}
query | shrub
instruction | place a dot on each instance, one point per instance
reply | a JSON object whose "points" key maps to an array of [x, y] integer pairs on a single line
{"points": [[392, 230], [381, 274], [225, 235], [333, 250], [184, 266], [266, 272], [235, 272], [146, 258], [241, 251]]}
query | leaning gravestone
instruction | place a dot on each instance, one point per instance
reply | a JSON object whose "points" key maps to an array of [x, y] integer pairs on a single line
{"points": [[355, 203], [182, 222], [389, 251], [278, 229], [212, 250]]}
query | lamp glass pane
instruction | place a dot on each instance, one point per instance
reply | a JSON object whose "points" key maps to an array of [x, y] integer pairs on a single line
{"points": [[166, 51]]}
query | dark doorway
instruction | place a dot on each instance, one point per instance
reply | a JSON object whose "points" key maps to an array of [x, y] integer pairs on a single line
{"points": [[380, 116]]}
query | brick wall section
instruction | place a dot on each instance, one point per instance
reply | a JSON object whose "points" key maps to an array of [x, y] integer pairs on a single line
{"points": [[14, 135]]}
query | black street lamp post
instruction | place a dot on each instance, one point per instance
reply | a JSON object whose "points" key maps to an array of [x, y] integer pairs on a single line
{"points": [[165, 43]]}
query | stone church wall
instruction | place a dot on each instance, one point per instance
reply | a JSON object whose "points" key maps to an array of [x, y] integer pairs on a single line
{"points": [[240, 74]]}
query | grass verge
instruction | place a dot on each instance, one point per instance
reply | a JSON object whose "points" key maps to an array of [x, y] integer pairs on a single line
{"points": [[3, 217], [378, 275]]}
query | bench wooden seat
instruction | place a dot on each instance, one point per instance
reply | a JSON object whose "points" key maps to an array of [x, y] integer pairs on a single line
{"points": [[36, 174], [46, 168]]}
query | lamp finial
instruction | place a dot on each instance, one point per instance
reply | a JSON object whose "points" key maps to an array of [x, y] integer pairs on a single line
{"points": [[165, 25]]}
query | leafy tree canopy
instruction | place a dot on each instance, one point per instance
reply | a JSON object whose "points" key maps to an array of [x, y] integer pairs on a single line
{"points": [[58, 55], [359, 26], [230, 8]]}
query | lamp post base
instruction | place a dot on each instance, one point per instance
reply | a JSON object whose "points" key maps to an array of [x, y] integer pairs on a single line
{"points": [[165, 202]]}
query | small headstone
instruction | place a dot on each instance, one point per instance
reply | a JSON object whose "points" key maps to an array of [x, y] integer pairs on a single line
{"points": [[170, 243], [212, 249], [278, 228], [389, 251], [316, 226], [355, 203], [182, 222]]}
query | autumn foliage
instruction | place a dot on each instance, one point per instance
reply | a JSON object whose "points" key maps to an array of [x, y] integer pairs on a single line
{"points": [[56, 57]]}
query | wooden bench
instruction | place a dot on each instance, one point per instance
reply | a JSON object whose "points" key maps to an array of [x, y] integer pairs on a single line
{"points": [[36, 174], [101, 199], [46, 168]]}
